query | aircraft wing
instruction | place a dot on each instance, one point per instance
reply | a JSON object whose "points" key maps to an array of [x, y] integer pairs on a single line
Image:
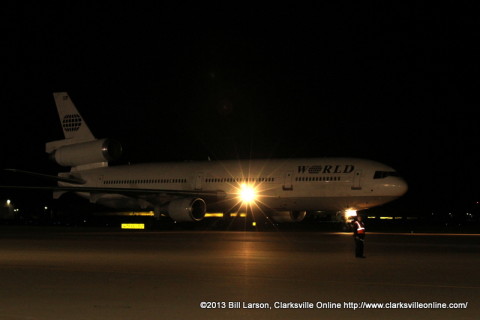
{"points": [[69, 179], [125, 191]]}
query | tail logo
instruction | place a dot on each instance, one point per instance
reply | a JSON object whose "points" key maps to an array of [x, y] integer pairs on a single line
{"points": [[71, 122]]}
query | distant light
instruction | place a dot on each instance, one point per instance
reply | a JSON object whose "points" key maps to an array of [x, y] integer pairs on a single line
{"points": [[254, 224], [46, 208], [142, 214], [8, 202]]}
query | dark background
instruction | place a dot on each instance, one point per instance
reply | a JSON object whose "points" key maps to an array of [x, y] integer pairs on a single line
{"points": [[397, 83]]}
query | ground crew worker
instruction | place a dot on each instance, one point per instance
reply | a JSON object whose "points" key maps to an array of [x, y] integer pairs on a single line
{"points": [[359, 236]]}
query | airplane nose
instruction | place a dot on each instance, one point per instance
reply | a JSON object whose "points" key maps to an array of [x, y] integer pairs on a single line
{"points": [[396, 187], [401, 186]]}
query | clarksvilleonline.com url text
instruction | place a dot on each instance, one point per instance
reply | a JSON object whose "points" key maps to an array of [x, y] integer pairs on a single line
{"points": [[330, 305]]}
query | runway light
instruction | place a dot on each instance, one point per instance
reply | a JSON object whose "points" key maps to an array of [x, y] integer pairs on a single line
{"points": [[247, 194], [135, 226], [214, 215], [241, 215]]}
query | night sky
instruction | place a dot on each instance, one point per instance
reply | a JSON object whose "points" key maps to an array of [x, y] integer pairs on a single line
{"points": [[395, 83]]}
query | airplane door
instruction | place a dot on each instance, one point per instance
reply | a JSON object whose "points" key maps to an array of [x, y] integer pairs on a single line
{"points": [[198, 181], [288, 181], [357, 177], [100, 181]]}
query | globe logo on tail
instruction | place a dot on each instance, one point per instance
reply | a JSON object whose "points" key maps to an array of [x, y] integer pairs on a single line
{"points": [[71, 122]]}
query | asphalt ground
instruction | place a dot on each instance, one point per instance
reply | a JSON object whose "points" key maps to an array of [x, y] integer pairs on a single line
{"points": [[79, 273]]}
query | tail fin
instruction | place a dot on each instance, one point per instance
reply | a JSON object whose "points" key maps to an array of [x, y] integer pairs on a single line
{"points": [[73, 125], [80, 150]]}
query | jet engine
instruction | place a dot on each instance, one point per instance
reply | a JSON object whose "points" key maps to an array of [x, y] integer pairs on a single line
{"points": [[187, 209], [87, 152], [288, 216]]}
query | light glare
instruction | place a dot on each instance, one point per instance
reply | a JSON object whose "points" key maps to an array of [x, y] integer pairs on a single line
{"points": [[349, 214], [247, 194]]}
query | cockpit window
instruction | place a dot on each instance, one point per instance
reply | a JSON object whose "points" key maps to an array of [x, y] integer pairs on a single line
{"points": [[384, 174]]}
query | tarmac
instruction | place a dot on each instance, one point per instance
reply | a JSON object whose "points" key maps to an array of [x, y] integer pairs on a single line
{"points": [[77, 273]]}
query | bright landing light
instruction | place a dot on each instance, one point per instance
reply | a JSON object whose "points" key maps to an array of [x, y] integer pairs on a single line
{"points": [[247, 194], [349, 214]]}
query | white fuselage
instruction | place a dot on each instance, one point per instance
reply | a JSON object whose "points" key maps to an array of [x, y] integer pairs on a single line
{"points": [[281, 184]]}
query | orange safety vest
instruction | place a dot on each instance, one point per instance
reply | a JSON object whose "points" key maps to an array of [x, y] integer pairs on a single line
{"points": [[360, 227]]}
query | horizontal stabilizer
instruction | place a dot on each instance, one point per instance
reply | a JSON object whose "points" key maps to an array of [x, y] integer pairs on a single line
{"points": [[67, 179]]}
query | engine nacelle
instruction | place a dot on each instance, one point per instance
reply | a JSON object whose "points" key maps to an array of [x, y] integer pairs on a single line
{"points": [[187, 209], [288, 216], [87, 153]]}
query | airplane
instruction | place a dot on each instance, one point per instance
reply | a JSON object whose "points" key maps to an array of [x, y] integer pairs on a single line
{"points": [[284, 190]]}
